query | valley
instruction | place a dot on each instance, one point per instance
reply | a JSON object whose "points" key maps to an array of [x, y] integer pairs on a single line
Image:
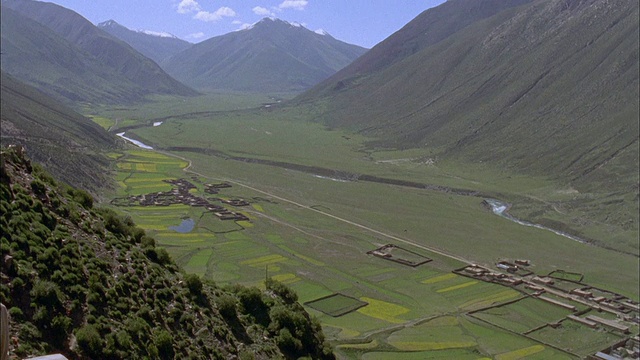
{"points": [[467, 188], [319, 203]]}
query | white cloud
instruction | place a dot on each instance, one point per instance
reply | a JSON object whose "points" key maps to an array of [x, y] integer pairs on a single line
{"points": [[293, 4], [216, 15], [157, 33], [197, 35], [259, 10], [187, 6]]}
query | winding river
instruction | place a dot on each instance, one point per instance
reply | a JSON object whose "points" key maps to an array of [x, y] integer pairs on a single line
{"points": [[135, 142], [499, 208]]}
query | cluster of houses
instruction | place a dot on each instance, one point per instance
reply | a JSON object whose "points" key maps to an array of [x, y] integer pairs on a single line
{"points": [[625, 349], [181, 194], [620, 308], [487, 275]]}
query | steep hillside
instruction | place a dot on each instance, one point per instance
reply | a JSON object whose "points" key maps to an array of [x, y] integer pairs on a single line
{"points": [[155, 47], [89, 284], [273, 55], [113, 55], [34, 54], [69, 145], [427, 29], [548, 88]]}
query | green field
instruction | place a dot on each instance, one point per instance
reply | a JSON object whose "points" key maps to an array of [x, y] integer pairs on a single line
{"points": [[523, 315], [336, 304], [576, 338], [311, 229]]}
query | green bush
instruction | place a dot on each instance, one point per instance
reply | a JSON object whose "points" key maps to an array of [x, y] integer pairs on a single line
{"points": [[15, 313], [253, 304], [82, 197], [227, 305], [90, 341], [288, 296], [163, 256], [46, 293], [289, 344], [60, 327], [163, 342], [194, 284], [38, 187]]}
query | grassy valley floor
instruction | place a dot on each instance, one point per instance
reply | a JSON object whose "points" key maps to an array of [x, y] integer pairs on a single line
{"points": [[313, 230]]}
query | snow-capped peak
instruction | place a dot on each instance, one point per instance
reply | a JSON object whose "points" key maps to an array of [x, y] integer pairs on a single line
{"points": [[271, 19], [108, 23], [322, 32]]}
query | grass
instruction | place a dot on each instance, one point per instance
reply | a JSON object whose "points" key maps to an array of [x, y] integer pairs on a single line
{"points": [[439, 278], [520, 353], [319, 255], [575, 337], [456, 287], [438, 334], [336, 304], [523, 315], [383, 310]]}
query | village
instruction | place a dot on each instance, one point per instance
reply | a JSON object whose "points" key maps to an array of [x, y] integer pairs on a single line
{"points": [[181, 194], [615, 311]]}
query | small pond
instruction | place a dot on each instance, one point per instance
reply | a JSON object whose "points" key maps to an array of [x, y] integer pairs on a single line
{"points": [[185, 226]]}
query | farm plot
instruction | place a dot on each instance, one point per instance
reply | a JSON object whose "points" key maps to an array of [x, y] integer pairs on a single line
{"points": [[439, 334], [523, 315], [575, 337], [336, 304], [400, 255], [383, 310], [142, 172]]}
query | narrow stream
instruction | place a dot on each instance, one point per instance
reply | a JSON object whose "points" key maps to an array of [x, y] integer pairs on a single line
{"points": [[135, 142], [499, 208]]}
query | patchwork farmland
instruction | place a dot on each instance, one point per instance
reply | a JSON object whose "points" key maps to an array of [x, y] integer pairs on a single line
{"points": [[412, 307]]}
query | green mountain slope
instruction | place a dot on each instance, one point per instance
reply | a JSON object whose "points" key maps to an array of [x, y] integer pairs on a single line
{"points": [[273, 55], [547, 88], [92, 44], [34, 54], [155, 47], [89, 284], [69, 145]]}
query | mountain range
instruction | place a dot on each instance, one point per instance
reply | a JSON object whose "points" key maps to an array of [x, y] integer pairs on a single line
{"points": [[543, 87], [156, 46], [272, 55], [62, 53]]}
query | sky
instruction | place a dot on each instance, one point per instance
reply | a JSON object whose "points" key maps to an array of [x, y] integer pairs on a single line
{"points": [[359, 22]]}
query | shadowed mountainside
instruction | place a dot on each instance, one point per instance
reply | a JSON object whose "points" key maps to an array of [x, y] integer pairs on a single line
{"points": [[64, 54], [549, 87], [155, 47], [67, 144]]}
